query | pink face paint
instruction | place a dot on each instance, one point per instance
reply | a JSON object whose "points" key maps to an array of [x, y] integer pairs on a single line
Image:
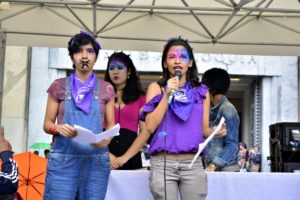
{"points": [[179, 54]]}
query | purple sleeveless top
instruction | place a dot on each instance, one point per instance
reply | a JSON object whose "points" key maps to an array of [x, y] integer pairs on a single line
{"points": [[182, 122]]}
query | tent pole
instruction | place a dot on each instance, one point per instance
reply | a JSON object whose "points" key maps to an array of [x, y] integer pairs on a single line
{"points": [[266, 6], [237, 8], [49, 2], [19, 12], [114, 17], [78, 18], [125, 22], [182, 26], [2, 59], [241, 19], [94, 5], [198, 20], [63, 17], [281, 25]]}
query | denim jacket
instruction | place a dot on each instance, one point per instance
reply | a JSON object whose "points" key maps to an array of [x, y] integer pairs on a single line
{"points": [[255, 158], [224, 151]]}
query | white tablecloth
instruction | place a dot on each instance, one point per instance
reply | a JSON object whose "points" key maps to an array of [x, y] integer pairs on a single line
{"points": [[134, 185]]}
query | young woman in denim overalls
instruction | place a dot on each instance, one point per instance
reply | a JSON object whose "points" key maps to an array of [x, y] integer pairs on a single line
{"points": [[78, 170]]}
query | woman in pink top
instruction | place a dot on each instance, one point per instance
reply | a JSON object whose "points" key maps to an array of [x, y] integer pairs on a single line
{"points": [[129, 100]]}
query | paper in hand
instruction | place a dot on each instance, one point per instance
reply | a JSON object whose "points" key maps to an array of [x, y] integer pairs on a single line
{"points": [[87, 136], [203, 144]]}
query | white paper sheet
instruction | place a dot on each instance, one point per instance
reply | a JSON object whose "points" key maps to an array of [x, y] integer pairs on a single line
{"points": [[85, 135], [203, 144]]}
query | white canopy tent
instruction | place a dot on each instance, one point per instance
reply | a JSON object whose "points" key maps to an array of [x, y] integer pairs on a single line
{"points": [[265, 27], [259, 27]]}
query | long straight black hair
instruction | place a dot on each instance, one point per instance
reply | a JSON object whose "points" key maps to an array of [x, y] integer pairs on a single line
{"points": [[192, 73], [133, 89]]}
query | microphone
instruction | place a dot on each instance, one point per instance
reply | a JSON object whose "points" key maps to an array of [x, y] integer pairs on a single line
{"points": [[178, 74]]}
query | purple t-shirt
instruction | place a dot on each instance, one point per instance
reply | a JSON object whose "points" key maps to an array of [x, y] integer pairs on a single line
{"points": [[182, 136], [57, 92]]}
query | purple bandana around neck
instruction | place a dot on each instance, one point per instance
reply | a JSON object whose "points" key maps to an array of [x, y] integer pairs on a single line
{"points": [[183, 101], [82, 92]]}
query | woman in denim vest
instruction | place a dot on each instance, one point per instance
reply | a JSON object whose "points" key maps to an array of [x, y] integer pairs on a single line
{"points": [[75, 169]]}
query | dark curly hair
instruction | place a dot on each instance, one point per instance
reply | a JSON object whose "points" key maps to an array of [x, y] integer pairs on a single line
{"points": [[192, 73], [82, 38], [133, 89], [217, 80]]}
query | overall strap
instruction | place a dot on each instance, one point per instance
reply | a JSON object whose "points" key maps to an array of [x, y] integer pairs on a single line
{"points": [[68, 89], [96, 90]]}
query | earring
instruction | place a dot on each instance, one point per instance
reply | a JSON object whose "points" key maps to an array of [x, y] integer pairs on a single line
{"points": [[128, 77]]}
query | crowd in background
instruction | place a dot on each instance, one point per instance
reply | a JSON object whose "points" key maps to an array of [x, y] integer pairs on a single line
{"points": [[249, 159]]}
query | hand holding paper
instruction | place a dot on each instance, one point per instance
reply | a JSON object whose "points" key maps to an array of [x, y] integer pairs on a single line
{"points": [[85, 135], [2, 133], [203, 144]]}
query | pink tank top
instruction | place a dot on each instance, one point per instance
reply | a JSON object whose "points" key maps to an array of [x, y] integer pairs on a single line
{"points": [[129, 114]]}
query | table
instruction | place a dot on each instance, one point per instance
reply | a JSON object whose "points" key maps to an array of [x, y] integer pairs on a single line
{"points": [[134, 185]]}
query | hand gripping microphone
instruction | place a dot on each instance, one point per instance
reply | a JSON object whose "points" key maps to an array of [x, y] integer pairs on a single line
{"points": [[178, 74]]}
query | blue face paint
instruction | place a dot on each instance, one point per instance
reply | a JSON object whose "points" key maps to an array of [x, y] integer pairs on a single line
{"points": [[116, 65], [178, 54]]}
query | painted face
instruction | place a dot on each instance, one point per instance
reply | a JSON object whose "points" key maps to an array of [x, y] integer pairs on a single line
{"points": [[116, 65], [118, 73], [85, 59], [178, 59], [178, 54]]}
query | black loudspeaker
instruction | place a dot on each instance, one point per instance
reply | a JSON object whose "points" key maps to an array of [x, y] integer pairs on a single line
{"points": [[285, 146], [290, 167]]}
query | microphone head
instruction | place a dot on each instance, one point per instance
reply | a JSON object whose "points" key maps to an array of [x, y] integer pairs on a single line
{"points": [[178, 74]]}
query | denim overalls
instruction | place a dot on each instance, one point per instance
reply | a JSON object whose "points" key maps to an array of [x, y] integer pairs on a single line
{"points": [[78, 170]]}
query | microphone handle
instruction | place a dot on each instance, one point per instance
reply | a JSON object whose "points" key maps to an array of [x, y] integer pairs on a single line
{"points": [[171, 96], [178, 75]]}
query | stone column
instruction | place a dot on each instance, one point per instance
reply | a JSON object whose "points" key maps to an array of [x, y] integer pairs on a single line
{"points": [[42, 76]]}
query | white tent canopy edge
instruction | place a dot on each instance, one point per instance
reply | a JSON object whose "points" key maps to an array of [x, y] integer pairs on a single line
{"points": [[257, 27]]}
